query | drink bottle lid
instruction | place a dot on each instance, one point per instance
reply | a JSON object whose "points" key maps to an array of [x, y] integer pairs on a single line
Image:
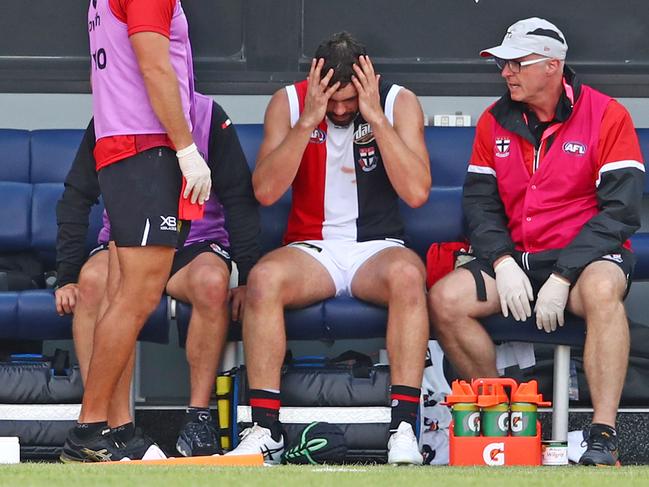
{"points": [[528, 392], [461, 391], [492, 394]]}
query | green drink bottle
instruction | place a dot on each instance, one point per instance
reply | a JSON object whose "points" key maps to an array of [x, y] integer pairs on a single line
{"points": [[465, 412]]}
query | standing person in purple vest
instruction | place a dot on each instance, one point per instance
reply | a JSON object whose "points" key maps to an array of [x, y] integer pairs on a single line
{"points": [[200, 274], [142, 85], [552, 194]]}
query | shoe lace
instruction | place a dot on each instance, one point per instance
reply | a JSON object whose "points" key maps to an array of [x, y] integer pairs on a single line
{"points": [[402, 436], [252, 434], [600, 442]]}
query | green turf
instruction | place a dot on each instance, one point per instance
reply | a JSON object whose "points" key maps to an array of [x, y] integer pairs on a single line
{"points": [[52, 475]]}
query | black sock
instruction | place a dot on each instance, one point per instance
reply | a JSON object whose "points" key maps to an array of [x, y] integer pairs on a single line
{"points": [[193, 415], [599, 428], [85, 430], [265, 411], [124, 433], [405, 406]]}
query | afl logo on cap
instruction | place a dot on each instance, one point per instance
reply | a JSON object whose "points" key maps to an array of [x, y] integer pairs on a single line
{"points": [[576, 148]]}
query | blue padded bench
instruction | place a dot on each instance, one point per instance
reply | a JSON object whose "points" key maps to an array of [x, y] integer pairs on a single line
{"points": [[439, 220], [32, 172]]}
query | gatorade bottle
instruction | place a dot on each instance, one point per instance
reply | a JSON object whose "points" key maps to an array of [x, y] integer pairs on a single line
{"points": [[525, 402], [494, 420], [465, 412]]}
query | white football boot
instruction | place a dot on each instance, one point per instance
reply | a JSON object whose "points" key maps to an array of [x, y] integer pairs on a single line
{"points": [[403, 448], [259, 440]]}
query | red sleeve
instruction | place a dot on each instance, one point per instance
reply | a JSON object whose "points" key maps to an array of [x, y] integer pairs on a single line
{"points": [[482, 152], [145, 15], [618, 140]]}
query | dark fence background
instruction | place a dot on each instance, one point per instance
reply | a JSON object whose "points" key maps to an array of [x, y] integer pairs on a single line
{"points": [[256, 46]]}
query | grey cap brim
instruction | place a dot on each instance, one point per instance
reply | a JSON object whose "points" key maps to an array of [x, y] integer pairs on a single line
{"points": [[505, 52]]}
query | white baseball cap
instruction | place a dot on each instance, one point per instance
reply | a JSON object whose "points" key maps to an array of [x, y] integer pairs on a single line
{"points": [[530, 36]]}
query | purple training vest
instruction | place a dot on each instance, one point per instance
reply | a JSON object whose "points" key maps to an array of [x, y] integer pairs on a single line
{"points": [[120, 102]]}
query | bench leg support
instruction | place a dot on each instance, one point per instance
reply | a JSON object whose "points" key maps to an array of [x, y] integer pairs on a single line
{"points": [[561, 384]]}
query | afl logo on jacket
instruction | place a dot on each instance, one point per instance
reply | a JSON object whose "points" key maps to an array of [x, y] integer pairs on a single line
{"points": [[576, 148]]}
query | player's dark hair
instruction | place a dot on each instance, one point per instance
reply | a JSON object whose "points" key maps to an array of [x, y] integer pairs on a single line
{"points": [[340, 52]]}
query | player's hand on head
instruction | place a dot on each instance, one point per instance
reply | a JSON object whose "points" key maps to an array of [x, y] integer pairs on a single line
{"points": [[366, 82], [317, 94], [66, 298], [196, 173]]}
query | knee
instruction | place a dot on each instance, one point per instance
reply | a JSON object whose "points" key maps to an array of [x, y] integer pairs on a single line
{"points": [[406, 281], [600, 292], [445, 304], [138, 300], [92, 284], [209, 287], [265, 283]]}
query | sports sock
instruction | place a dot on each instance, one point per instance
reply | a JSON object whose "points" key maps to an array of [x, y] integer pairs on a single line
{"points": [[124, 433], [599, 429], [265, 410], [84, 431], [405, 406], [193, 414]]}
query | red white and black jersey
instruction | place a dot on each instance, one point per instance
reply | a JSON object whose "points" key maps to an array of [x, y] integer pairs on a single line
{"points": [[341, 190]]}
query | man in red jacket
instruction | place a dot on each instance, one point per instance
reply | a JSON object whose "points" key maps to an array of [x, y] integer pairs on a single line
{"points": [[552, 194]]}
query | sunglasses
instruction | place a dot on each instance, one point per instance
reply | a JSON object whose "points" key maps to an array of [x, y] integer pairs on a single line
{"points": [[516, 66]]}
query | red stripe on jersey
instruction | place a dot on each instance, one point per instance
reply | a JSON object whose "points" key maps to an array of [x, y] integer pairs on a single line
{"points": [[307, 209]]}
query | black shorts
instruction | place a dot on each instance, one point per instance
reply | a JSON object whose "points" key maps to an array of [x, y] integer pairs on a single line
{"points": [[141, 196], [188, 253], [538, 268]]}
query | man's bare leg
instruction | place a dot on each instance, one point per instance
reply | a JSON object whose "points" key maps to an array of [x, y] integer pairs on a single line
{"points": [[203, 283], [97, 284], [454, 312], [93, 280], [598, 297], [143, 275], [287, 277], [395, 277], [119, 411], [284, 278]]}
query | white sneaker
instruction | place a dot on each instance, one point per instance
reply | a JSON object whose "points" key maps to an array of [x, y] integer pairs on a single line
{"points": [[403, 448], [259, 440]]}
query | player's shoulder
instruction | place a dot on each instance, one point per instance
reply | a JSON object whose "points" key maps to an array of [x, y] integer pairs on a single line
{"points": [[406, 102]]}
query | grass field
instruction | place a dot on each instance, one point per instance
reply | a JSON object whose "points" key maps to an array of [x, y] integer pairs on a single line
{"points": [[52, 475]]}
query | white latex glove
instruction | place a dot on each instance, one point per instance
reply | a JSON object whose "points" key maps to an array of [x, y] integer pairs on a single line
{"points": [[197, 174], [514, 289], [551, 302]]}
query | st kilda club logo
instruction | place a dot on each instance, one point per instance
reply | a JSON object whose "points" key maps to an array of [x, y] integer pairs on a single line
{"points": [[368, 159], [502, 146]]}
